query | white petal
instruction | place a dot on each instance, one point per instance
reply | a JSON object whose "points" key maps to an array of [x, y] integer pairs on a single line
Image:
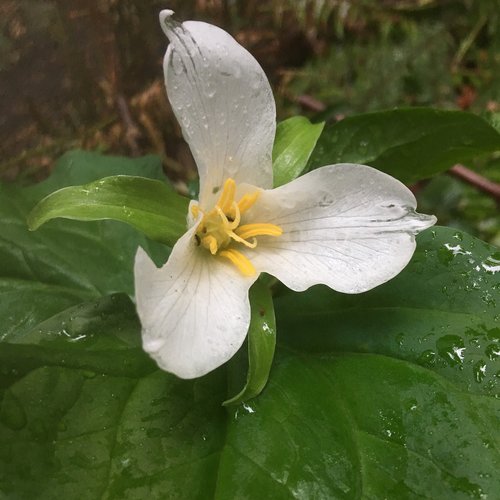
{"points": [[194, 311], [347, 226], [223, 102]]}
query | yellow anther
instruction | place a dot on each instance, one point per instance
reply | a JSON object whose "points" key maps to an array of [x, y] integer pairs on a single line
{"points": [[251, 230], [239, 260], [226, 198], [247, 201]]}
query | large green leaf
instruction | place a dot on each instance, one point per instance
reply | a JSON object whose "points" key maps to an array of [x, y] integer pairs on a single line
{"points": [[442, 313], [390, 394], [410, 144], [149, 205]]}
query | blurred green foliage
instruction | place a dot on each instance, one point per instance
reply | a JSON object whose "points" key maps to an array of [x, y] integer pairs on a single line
{"points": [[353, 77]]}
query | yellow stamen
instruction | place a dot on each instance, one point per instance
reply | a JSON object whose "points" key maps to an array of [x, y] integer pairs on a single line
{"points": [[239, 260], [239, 239], [247, 201], [251, 230], [235, 214], [226, 198], [210, 242], [228, 225]]}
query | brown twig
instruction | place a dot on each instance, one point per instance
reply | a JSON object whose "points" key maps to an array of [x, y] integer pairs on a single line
{"points": [[478, 181], [311, 103]]}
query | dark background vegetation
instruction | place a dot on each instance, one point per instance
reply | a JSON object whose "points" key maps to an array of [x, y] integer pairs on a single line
{"points": [[87, 73]]}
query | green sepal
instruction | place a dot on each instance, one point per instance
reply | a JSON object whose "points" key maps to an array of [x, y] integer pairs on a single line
{"points": [[261, 343]]}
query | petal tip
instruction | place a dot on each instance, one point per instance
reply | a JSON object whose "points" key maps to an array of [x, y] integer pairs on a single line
{"points": [[422, 222], [165, 16]]}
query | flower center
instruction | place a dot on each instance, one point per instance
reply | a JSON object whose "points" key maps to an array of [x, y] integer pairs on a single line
{"points": [[220, 229]]}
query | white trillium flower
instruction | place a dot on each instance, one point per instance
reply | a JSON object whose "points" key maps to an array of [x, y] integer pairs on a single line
{"points": [[347, 226]]}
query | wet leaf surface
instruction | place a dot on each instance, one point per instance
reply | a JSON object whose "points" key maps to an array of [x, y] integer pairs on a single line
{"points": [[389, 394]]}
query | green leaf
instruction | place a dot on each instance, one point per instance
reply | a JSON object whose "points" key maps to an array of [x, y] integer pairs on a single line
{"points": [[409, 144], [441, 313], [85, 414], [64, 262], [261, 344], [149, 205], [293, 145], [389, 394]]}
